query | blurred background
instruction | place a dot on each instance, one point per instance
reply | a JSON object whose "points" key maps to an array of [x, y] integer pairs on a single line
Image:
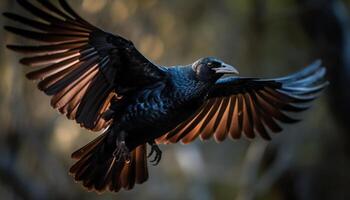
{"points": [[269, 38]]}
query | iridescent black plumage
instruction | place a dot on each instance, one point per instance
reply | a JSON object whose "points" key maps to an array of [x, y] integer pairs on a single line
{"points": [[102, 81]]}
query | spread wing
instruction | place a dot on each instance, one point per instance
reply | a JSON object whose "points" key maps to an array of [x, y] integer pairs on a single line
{"points": [[250, 106], [82, 67]]}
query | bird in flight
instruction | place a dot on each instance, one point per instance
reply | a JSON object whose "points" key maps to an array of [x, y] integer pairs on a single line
{"points": [[103, 82]]}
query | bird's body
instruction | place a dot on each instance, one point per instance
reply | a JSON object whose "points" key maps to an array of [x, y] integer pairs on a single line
{"points": [[103, 82], [158, 108]]}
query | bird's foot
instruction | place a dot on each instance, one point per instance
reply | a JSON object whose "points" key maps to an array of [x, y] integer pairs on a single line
{"points": [[122, 152], [158, 154]]}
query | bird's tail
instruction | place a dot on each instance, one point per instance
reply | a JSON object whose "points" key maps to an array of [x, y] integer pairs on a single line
{"points": [[99, 170]]}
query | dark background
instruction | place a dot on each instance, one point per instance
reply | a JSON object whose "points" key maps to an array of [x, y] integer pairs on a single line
{"points": [[268, 38]]}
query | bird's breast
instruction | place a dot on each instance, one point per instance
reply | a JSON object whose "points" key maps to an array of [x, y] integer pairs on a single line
{"points": [[156, 111]]}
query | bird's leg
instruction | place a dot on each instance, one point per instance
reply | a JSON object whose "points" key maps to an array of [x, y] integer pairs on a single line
{"points": [[121, 151], [155, 149]]}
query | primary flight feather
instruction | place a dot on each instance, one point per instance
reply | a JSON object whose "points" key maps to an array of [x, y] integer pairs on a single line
{"points": [[103, 82]]}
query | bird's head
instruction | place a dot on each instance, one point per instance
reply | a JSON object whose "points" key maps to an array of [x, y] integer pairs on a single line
{"points": [[211, 68]]}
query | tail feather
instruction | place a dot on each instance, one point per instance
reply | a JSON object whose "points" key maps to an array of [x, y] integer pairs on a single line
{"points": [[85, 149], [98, 170], [141, 164], [128, 174]]}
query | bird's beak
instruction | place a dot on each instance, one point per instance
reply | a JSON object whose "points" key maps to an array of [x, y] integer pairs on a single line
{"points": [[226, 69]]}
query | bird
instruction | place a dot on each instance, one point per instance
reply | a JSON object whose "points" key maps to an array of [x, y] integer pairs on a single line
{"points": [[106, 85]]}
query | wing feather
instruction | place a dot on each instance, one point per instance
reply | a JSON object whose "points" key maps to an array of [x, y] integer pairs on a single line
{"points": [[252, 106], [236, 126], [207, 127], [258, 125], [220, 131], [79, 65], [47, 49], [248, 124]]}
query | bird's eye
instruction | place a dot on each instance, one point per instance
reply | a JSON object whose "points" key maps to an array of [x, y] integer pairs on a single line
{"points": [[210, 64]]}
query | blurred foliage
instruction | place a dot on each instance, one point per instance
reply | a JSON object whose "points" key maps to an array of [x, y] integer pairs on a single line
{"points": [[309, 160]]}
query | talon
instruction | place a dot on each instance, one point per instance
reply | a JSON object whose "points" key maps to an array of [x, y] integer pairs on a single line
{"points": [[158, 154], [116, 154], [122, 152], [154, 159], [158, 158], [150, 153]]}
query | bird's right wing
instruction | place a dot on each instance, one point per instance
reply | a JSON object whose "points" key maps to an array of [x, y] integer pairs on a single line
{"points": [[82, 67], [251, 106]]}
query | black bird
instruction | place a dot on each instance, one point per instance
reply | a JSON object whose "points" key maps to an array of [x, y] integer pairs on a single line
{"points": [[103, 82]]}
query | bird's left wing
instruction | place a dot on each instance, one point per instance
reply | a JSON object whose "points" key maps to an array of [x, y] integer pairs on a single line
{"points": [[250, 106], [82, 67]]}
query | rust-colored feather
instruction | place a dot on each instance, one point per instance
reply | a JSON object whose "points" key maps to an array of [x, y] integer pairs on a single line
{"points": [[248, 123]]}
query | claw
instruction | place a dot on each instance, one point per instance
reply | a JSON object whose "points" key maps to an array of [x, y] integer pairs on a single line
{"points": [[158, 154], [151, 153], [122, 152], [154, 159]]}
